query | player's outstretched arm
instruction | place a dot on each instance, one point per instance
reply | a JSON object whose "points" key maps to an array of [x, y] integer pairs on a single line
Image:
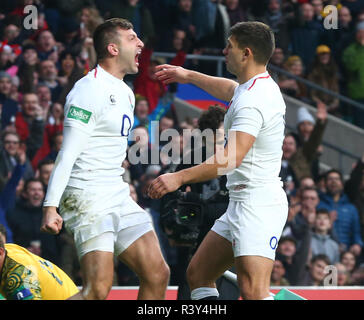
{"points": [[229, 158], [220, 88]]}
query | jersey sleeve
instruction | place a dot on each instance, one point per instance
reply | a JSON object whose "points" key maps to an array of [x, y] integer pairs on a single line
{"points": [[82, 107], [14, 288], [248, 120], [74, 141]]}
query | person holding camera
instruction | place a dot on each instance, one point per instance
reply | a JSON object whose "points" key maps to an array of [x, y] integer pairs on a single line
{"points": [[188, 215]]}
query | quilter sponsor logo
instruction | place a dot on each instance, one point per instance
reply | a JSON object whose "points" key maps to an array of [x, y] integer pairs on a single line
{"points": [[79, 114]]}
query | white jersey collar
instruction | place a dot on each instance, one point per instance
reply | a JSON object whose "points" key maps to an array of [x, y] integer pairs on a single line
{"points": [[250, 83], [102, 72]]}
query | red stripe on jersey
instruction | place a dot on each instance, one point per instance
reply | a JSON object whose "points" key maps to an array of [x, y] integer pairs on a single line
{"points": [[257, 79], [95, 72]]}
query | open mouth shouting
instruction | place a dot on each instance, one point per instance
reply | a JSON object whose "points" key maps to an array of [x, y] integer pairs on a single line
{"points": [[137, 58]]}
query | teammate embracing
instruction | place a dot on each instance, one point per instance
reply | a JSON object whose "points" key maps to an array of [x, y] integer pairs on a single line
{"points": [[86, 183], [248, 233]]}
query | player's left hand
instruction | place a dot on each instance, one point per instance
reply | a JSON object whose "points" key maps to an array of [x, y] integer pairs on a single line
{"points": [[164, 184]]}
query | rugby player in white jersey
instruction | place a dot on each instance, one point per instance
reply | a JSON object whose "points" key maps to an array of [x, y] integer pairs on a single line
{"points": [[248, 233], [86, 183]]}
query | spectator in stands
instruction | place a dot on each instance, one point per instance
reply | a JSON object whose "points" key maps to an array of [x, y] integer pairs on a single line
{"points": [[300, 158], [287, 172], [90, 18], [46, 46], [349, 260], [29, 125], [340, 38], [355, 6], [307, 215], [344, 215], [7, 58], [236, 10], [56, 144], [306, 35], [139, 153], [360, 16], [9, 157], [138, 14], [141, 111], [294, 259], [320, 183], [48, 75], [8, 194], [322, 242], [278, 272], [303, 183], [315, 274], [8, 106], [318, 8], [291, 86], [279, 22], [277, 60], [69, 74], [27, 71], [354, 188], [324, 73], [44, 171], [353, 59], [343, 276], [183, 19], [357, 277], [25, 220], [45, 99]]}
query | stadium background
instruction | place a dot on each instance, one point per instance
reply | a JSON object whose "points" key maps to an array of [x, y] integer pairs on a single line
{"points": [[316, 68]]}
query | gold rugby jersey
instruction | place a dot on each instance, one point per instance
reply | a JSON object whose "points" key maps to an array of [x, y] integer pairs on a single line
{"points": [[26, 276]]}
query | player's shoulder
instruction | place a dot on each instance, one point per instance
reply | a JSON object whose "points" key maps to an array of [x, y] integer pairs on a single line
{"points": [[86, 93], [88, 83], [17, 252]]}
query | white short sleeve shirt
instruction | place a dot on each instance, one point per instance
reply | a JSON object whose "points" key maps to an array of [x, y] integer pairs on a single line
{"points": [[257, 108]]}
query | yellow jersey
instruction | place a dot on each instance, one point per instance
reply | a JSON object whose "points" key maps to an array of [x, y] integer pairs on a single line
{"points": [[26, 276]]}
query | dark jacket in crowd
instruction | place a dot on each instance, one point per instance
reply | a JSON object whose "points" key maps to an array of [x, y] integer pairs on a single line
{"points": [[25, 221], [347, 224]]}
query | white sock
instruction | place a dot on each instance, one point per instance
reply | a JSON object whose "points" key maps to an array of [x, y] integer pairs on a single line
{"points": [[200, 293], [269, 298]]}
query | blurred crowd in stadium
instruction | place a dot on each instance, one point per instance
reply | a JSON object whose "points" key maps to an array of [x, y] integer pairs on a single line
{"points": [[39, 66]]}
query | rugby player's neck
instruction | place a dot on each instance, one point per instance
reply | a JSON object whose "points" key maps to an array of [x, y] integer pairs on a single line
{"points": [[250, 72], [112, 68]]}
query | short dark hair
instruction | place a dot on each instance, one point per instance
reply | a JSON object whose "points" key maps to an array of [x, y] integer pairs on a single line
{"points": [[309, 189], [45, 162], [321, 257], [257, 36], [106, 32], [211, 118], [323, 211], [334, 171], [287, 238], [2, 244], [29, 181], [6, 133]]}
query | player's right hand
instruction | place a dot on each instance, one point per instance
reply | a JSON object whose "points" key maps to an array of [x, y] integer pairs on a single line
{"points": [[168, 74], [52, 221]]}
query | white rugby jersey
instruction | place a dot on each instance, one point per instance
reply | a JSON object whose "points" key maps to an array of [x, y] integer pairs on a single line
{"points": [[99, 114], [257, 108]]}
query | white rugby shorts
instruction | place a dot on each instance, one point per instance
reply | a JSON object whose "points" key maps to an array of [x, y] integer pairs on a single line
{"points": [[254, 224], [94, 211]]}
